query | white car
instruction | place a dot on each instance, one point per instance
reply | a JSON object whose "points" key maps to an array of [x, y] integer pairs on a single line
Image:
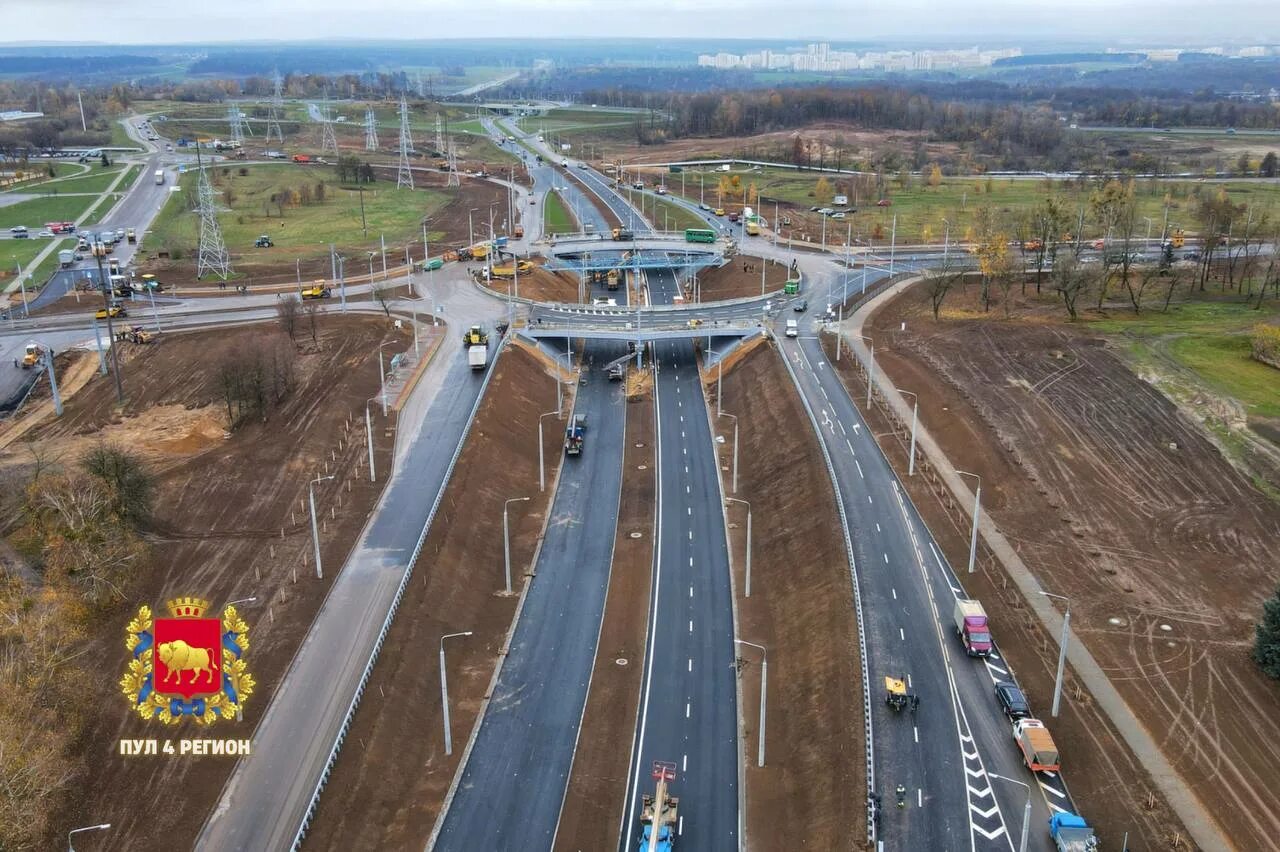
{"points": [[45, 233]]}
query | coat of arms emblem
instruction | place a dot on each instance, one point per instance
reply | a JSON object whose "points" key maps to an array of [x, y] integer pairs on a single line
{"points": [[187, 665]]}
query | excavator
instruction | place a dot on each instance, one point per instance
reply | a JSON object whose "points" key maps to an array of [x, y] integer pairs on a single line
{"points": [[659, 816], [475, 336]]}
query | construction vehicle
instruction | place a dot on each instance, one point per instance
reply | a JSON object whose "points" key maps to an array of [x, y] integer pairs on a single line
{"points": [[659, 813], [1071, 833], [148, 284], [478, 356], [622, 234], [753, 229], [263, 241], [116, 309], [522, 267], [66, 257], [479, 251], [897, 696], [573, 439], [617, 372], [612, 279], [1038, 748], [317, 290], [475, 336], [972, 628], [31, 355], [137, 334], [517, 231], [1033, 245], [1178, 238], [131, 236]]}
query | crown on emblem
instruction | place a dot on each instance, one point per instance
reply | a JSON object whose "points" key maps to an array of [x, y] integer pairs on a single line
{"points": [[187, 607]]}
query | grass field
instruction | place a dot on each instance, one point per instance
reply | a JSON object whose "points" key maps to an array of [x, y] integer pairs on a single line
{"points": [[667, 216], [920, 210], [556, 218], [97, 180], [36, 212], [302, 230], [1211, 339]]}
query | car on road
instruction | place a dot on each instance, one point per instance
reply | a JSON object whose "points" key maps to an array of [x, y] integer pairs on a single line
{"points": [[793, 328], [704, 206], [801, 306], [1012, 702], [719, 211], [837, 215], [18, 230], [45, 233]]}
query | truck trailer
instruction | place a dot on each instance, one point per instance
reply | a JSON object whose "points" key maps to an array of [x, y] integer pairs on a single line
{"points": [[1038, 748], [1071, 833], [972, 628], [478, 356]]}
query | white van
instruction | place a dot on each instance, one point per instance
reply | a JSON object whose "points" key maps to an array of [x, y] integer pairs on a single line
{"points": [[793, 328]]}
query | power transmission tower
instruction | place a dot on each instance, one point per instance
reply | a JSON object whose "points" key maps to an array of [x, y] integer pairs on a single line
{"points": [[370, 131], [439, 136], [328, 142], [454, 180], [237, 124], [277, 104], [404, 177], [213, 257]]}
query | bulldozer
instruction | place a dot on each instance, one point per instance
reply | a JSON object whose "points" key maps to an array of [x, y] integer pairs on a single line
{"points": [[31, 355], [475, 336], [137, 334], [316, 291]]}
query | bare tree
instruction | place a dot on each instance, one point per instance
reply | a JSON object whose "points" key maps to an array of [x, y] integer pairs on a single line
{"points": [[382, 295], [1069, 281], [287, 314], [312, 312], [940, 283]]}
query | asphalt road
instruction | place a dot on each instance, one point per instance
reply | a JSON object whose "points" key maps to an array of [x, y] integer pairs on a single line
{"points": [[688, 704], [514, 781]]}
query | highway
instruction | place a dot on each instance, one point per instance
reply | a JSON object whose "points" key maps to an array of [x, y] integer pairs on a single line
{"points": [[510, 797], [688, 702]]}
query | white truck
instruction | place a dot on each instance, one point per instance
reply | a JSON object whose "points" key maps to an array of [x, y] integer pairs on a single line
{"points": [[159, 176], [478, 356], [66, 257]]}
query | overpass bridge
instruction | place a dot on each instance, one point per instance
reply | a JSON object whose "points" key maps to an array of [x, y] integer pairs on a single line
{"points": [[592, 252], [647, 323]]}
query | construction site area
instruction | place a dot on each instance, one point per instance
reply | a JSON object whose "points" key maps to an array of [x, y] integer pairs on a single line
{"points": [[1117, 500]]}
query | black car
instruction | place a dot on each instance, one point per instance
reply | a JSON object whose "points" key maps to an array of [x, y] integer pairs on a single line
{"points": [[801, 306], [1012, 702]]}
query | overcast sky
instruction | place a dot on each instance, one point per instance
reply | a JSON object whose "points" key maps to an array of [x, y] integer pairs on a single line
{"points": [[1023, 21]]}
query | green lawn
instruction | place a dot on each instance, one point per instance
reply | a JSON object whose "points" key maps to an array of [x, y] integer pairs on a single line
{"points": [[34, 213], [15, 252], [556, 218], [61, 170], [1223, 361], [669, 216], [302, 230], [96, 181]]}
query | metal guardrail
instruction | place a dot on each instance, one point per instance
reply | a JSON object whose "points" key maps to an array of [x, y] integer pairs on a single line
{"points": [[395, 606], [857, 602]]}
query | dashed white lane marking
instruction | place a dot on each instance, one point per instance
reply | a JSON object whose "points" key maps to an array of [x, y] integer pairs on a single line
{"points": [[689, 509], [902, 635], [869, 500], [690, 625], [690, 535], [686, 468], [684, 764], [686, 709], [691, 565], [691, 591], [919, 797], [886, 559], [691, 664], [841, 425], [916, 732], [680, 828], [681, 433], [681, 418], [685, 450], [877, 526], [850, 446], [860, 473], [895, 593], [686, 490]]}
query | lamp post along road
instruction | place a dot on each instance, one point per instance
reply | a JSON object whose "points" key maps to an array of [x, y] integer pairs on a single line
{"points": [[506, 538], [977, 509], [871, 369], [382, 376], [315, 530], [915, 417], [368, 430], [444, 691], [735, 448], [102, 827], [1026, 811], [747, 585], [542, 476], [764, 680], [1062, 651]]}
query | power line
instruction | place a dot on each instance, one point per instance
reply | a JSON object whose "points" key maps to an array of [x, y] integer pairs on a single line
{"points": [[370, 131], [404, 176], [213, 257], [277, 105]]}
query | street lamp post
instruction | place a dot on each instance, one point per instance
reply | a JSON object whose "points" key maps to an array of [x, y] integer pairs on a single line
{"points": [[871, 369], [242, 600], [315, 530], [1026, 811], [764, 680], [444, 691], [368, 430], [977, 510], [1062, 651], [102, 827], [735, 448], [542, 477], [382, 376], [748, 565], [946, 242], [915, 417], [506, 538]]}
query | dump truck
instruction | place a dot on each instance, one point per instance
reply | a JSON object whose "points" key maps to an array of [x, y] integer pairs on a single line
{"points": [[1038, 748], [622, 234], [31, 355], [137, 334], [475, 336], [972, 627], [115, 310], [573, 439], [66, 257], [1071, 833], [131, 235], [659, 813], [522, 267], [317, 290], [478, 356], [612, 279]]}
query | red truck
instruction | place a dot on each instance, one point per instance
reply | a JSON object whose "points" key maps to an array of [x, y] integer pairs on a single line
{"points": [[972, 627], [301, 159]]}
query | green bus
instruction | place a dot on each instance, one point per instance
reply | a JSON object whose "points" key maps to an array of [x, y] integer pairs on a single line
{"points": [[699, 235]]}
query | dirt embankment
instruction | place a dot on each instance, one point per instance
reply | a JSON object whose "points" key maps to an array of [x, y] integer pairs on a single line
{"points": [[223, 502], [812, 791], [1117, 501], [598, 783], [740, 278], [543, 285], [392, 775]]}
